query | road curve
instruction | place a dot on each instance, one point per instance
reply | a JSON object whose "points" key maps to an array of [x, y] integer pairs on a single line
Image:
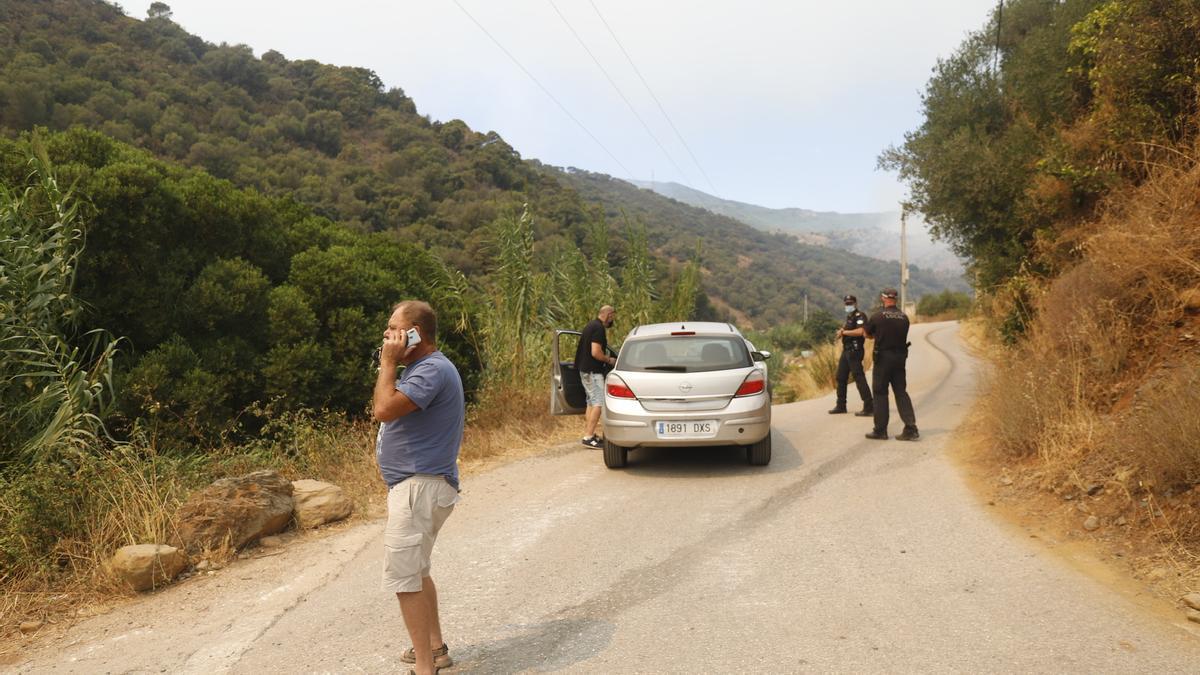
{"points": [[843, 555]]}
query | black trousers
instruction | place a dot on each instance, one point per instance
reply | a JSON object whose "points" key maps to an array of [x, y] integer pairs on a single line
{"points": [[851, 362], [889, 371]]}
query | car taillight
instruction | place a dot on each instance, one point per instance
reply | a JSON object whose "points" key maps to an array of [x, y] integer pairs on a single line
{"points": [[753, 384], [618, 389]]}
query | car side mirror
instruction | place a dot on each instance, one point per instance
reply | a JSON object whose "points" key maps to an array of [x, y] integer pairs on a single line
{"points": [[760, 356]]}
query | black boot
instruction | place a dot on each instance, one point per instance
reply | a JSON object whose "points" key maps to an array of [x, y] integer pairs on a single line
{"points": [[839, 410], [867, 411], [909, 434], [877, 435]]}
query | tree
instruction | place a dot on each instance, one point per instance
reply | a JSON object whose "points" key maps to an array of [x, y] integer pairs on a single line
{"points": [[159, 10]]}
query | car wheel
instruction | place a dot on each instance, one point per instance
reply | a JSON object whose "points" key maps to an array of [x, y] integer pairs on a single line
{"points": [[759, 454], [615, 456]]}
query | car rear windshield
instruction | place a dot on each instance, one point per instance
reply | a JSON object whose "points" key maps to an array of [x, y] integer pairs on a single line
{"points": [[684, 354]]}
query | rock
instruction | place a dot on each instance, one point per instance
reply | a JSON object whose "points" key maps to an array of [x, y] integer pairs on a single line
{"points": [[272, 541], [144, 566], [28, 627], [1005, 480], [1121, 521], [1091, 524], [1193, 616], [203, 566], [318, 503], [1094, 488], [1192, 600], [236, 511]]}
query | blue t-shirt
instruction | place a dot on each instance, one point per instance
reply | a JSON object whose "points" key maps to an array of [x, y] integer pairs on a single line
{"points": [[426, 440]]}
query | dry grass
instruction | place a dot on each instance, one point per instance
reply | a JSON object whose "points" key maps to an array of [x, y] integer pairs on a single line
{"points": [[133, 494], [509, 422], [815, 376], [1104, 390]]}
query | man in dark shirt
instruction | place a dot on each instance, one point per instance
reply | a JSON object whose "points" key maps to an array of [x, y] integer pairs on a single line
{"points": [[889, 329], [592, 361], [852, 335]]}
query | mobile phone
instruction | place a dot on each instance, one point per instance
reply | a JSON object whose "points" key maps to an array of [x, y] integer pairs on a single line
{"points": [[414, 336]]}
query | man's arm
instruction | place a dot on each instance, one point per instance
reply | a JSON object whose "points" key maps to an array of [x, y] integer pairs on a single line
{"points": [[599, 355], [389, 402], [857, 332]]}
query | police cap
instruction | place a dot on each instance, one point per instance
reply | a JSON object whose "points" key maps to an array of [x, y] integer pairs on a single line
{"points": [[849, 299], [889, 293]]}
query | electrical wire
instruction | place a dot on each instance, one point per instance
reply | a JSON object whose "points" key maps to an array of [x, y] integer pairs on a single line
{"points": [[619, 92], [552, 97], [656, 101]]}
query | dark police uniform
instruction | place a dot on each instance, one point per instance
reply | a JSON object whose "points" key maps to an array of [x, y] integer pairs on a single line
{"points": [[889, 329], [851, 362]]}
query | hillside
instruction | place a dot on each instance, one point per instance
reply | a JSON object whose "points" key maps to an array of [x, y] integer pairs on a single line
{"points": [[339, 141], [1058, 152], [784, 268], [868, 234]]}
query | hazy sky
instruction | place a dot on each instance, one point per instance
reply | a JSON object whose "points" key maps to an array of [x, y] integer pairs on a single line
{"points": [[783, 103]]}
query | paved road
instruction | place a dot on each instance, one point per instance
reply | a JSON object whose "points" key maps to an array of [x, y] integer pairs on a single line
{"points": [[843, 555]]}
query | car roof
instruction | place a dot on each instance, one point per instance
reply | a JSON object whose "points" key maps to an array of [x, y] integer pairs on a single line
{"points": [[699, 327]]}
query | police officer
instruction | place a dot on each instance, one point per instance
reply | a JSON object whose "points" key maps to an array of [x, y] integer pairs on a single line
{"points": [[853, 339], [889, 329]]}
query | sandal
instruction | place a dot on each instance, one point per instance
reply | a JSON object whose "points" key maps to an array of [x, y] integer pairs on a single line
{"points": [[441, 657]]}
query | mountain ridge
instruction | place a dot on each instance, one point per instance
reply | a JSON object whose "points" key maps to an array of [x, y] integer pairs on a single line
{"points": [[856, 232]]}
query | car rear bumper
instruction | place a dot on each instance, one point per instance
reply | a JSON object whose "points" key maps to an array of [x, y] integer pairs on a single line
{"points": [[742, 422]]}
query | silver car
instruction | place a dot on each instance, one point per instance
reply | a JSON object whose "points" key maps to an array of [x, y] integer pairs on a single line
{"points": [[676, 385]]}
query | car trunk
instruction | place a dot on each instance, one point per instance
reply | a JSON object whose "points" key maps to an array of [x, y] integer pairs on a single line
{"points": [[685, 392]]}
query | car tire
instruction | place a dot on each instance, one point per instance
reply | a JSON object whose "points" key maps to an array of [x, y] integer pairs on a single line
{"points": [[759, 454], [615, 456]]}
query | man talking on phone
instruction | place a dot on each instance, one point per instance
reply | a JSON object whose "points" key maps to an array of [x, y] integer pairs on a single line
{"points": [[421, 417]]}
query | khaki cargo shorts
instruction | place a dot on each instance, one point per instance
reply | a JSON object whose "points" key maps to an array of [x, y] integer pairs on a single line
{"points": [[417, 508]]}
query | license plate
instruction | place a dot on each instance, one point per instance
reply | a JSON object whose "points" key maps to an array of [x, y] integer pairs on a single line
{"points": [[687, 429]]}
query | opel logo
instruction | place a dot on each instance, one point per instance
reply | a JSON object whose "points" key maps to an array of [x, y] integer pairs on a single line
{"points": [[685, 387]]}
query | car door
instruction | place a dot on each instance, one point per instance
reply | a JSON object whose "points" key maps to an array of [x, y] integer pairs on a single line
{"points": [[566, 390]]}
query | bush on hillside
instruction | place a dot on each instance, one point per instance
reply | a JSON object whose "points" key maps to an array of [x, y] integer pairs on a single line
{"points": [[946, 303]]}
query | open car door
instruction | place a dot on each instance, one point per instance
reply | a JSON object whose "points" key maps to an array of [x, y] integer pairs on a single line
{"points": [[566, 390]]}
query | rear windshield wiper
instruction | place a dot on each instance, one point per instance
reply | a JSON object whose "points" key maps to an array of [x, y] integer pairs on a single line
{"points": [[669, 369]]}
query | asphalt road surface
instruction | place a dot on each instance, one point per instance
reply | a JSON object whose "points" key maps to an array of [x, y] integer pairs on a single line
{"points": [[843, 555]]}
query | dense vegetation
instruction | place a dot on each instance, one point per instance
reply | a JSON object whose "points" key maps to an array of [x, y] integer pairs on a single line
{"points": [[946, 303], [222, 297], [1088, 97], [1065, 167]]}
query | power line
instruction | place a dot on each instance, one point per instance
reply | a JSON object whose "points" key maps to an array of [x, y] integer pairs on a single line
{"points": [[619, 92], [545, 91], [656, 101]]}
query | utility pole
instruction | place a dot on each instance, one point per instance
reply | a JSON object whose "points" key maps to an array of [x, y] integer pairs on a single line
{"points": [[904, 259], [806, 308]]}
